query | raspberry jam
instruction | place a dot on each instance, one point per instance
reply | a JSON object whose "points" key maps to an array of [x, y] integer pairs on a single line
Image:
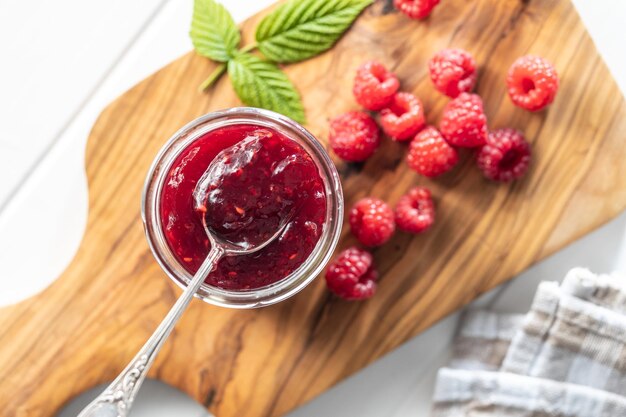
{"points": [[268, 179]]}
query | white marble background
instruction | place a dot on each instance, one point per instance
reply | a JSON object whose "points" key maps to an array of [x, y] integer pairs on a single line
{"points": [[62, 62]]}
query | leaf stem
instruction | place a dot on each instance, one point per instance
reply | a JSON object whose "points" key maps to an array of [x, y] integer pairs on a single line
{"points": [[221, 68], [215, 75], [249, 48]]}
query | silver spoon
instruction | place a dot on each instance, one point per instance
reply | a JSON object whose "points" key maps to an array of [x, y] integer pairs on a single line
{"points": [[117, 399]]}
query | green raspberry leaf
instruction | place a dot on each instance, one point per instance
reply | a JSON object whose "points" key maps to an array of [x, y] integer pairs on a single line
{"points": [[260, 83], [301, 29], [213, 31]]}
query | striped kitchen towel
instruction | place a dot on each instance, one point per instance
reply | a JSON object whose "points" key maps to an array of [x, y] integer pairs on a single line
{"points": [[468, 393], [483, 339], [566, 357]]}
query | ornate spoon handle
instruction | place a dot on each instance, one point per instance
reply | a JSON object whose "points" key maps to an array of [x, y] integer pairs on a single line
{"points": [[117, 399]]}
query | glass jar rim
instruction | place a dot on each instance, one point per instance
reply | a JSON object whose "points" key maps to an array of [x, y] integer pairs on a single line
{"points": [[279, 290]]}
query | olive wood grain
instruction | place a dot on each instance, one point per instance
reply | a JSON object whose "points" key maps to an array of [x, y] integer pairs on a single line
{"points": [[84, 327]]}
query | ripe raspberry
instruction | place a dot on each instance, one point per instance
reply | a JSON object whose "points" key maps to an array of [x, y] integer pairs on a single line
{"points": [[416, 9], [505, 156], [453, 71], [403, 118], [532, 82], [352, 275], [374, 85], [464, 122], [354, 136], [371, 221], [430, 154], [415, 211]]}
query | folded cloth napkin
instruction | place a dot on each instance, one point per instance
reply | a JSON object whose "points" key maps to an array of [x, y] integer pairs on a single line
{"points": [[473, 393], [483, 339], [566, 357]]}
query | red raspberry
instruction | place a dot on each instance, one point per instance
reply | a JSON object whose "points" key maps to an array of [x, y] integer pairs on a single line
{"points": [[371, 221], [532, 82], [415, 211], [464, 122], [403, 118], [374, 85], [430, 154], [505, 156], [354, 136], [352, 275], [416, 9], [453, 71]]}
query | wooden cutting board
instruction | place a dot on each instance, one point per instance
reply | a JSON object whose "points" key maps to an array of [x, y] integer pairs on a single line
{"points": [[83, 329]]}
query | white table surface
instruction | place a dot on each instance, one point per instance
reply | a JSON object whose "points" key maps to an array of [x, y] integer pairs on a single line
{"points": [[63, 61]]}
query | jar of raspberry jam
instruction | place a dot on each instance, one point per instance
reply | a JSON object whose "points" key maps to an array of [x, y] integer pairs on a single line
{"points": [[292, 170]]}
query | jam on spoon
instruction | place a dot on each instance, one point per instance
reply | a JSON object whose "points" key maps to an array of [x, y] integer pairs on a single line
{"points": [[234, 204]]}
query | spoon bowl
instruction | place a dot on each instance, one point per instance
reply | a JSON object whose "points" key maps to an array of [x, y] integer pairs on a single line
{"points": [[230, 163]]}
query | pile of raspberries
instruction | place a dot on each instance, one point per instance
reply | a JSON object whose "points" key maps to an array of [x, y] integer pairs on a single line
{"points": [[502, 154]]}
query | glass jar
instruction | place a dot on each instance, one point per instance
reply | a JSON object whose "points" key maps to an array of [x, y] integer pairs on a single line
{"points": [[289, 285]]}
